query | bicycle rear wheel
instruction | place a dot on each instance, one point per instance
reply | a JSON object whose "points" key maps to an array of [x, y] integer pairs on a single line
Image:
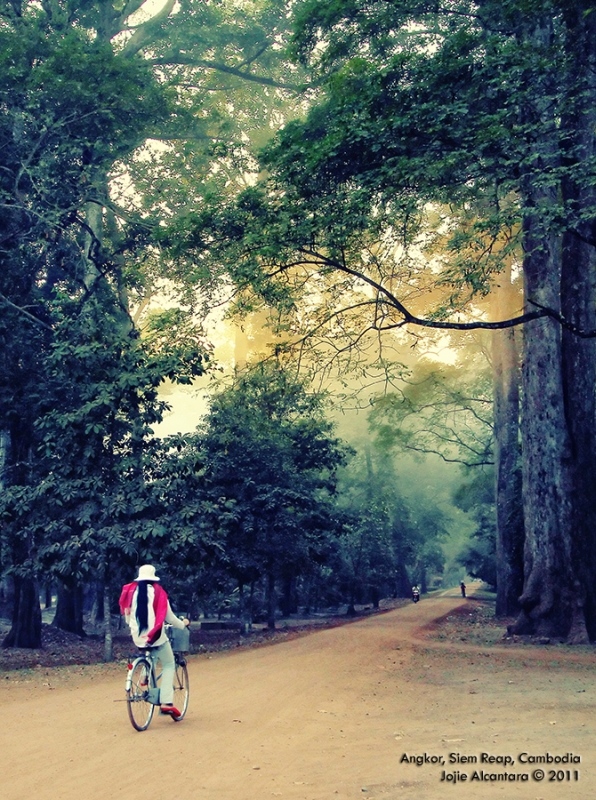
{"points": [[140, 710], [181, 689]]}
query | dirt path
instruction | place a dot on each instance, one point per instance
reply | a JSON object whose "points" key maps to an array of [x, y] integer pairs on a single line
{"points": [[324, 717]]}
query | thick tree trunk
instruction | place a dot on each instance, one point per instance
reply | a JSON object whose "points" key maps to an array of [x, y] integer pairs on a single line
{"points": [[403, 584], [546, 601], [6, 597], [25, 629], [578, 306], [69, 608], [506, 407], [548, 571], [26, 616], [559, 598], [579, 380]]}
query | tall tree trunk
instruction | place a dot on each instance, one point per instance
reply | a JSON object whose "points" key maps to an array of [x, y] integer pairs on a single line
{"points": [[579, 380], [509, 517], [548, 544], [26, 616], [25, 628], [402, 580], [546, 601], [578, 306], [69, 608], [559, 598]]}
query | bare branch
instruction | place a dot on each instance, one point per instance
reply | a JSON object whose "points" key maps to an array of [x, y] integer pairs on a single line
{"points": [[25, 313], [183, 59], [412, 319], [145, 33]]}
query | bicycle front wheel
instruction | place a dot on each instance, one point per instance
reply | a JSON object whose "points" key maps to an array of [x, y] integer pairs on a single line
{"points": [[181, 688], [140, 710]]}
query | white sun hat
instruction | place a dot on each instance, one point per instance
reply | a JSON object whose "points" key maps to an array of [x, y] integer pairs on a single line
{"points": [[147, 573]]}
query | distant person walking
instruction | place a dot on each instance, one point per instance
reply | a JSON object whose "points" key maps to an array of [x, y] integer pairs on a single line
{"points": [[145, 606], [462, 586]]}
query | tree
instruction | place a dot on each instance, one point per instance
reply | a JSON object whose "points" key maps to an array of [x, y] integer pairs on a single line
{"points": [[535, 126], [388, 540], [269, 463], [479, 555], [454, 105], [506, 370], [87, 503], [82, 89], [470, 417], [52, 112], [441, 408]]}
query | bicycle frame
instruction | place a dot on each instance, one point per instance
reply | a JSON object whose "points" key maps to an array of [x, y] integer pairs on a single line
{"points": [[153, 677], [142, 687]]}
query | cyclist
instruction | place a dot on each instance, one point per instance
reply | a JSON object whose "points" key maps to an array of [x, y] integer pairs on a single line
{"points": [[145, 606]]}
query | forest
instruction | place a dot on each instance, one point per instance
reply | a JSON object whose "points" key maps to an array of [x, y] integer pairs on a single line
{"points": [[359, 239]]}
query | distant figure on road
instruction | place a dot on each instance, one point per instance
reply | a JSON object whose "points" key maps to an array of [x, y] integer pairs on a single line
{"points": [[462, 586]]}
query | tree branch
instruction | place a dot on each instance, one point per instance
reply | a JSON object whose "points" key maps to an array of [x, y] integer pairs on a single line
{"points": [[25, 313], [144, 34], [217, 66], [412, 319]]}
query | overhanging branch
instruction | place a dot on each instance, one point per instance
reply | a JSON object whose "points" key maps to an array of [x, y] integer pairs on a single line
{"points": [[185, 60], [542, 312], [25, 313]]}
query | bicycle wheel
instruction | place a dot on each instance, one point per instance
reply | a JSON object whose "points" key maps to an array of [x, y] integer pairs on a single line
{"points": [[181, 688], [140, 710]]}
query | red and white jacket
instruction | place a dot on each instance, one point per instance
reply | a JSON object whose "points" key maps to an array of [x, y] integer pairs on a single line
{"points": [[159, 611]]}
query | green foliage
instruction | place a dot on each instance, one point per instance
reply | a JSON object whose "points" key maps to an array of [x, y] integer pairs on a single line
{"points": [[488, 108], [78, 392], [267, 462], [86, 499], [476, 497], [414, 105], [417, 105], [442, 409], [70, 108], [82, 89], [382, 546]]}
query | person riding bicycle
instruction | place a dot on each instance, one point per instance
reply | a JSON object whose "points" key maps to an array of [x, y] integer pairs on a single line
{"points": [[145, 606]]}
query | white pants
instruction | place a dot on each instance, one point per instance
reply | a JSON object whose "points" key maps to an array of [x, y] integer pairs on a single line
{"points": [[165, 655]]}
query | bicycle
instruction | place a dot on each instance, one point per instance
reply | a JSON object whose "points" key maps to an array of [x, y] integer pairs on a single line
{"points": [[142, 683]]}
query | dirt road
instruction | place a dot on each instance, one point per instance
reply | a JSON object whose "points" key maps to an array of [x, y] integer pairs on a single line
{"points": [[335, 715]]}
